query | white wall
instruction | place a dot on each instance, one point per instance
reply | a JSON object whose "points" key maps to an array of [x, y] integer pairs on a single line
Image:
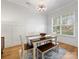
{"points": [[17, 20], [71, 7]]}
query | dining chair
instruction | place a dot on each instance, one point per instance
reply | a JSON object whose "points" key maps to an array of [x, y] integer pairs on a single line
{"points": [[55, 40], [26, 50], [22, 51], [56, 49]]}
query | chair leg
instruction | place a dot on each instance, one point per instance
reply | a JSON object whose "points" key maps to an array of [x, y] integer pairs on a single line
{"points": [[57, 49], [21, 54], [37, 54]]}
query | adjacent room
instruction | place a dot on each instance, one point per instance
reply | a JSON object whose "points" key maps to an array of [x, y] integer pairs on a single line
{"points": [[39, 29]]}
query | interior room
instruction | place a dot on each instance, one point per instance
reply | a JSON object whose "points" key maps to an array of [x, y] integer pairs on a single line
{"points": [[39, 29]]}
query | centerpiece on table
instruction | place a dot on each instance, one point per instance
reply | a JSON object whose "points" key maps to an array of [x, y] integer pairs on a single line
{"points": [[42, 35]]}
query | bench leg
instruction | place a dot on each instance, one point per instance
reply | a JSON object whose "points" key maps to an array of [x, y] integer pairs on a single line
{"points": [[37, 54], [42, 55]]}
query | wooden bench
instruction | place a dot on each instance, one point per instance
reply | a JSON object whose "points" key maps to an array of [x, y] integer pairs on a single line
{"points": [[47, 47]]}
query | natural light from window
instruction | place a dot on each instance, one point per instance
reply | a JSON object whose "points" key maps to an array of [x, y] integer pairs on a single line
{"points": [[64, 24]]}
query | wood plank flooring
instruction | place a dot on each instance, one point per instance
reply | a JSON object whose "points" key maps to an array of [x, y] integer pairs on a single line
{"points": [[13, 52], [72, 52]]}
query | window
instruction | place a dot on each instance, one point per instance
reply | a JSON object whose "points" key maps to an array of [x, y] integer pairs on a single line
{"points": [[64, 25], [56, 25]]}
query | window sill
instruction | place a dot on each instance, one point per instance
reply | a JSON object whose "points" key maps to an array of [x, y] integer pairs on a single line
{"points": [[66, 35]]}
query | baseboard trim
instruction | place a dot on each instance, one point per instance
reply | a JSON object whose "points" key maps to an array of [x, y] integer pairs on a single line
{"points": [[69, 44]]}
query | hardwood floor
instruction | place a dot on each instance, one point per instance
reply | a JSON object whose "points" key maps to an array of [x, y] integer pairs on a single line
{"points": [[72, 52], [13, 52]]}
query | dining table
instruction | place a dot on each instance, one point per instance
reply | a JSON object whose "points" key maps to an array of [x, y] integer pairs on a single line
{"points": [[37, 41]]}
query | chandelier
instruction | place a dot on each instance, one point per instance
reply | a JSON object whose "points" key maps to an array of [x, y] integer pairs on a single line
{"points": [[42, 6]]}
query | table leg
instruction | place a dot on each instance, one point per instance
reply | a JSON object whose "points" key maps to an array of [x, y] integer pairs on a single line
{"points": [[42, 55], [34, 53]]}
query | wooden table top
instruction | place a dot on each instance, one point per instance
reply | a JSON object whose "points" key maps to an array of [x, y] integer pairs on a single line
{"points": [[27, 46], [45, 47], [41, 39]]}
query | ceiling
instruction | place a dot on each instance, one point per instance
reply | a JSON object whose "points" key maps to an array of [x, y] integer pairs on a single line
{"points": [[51, 4]]}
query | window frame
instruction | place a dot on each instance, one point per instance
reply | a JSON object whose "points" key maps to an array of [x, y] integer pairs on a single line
{"points": [[61, 34]]}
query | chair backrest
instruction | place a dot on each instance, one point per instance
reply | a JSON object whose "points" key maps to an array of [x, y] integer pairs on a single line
{"points": [[54, 34], [23, 40]]}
